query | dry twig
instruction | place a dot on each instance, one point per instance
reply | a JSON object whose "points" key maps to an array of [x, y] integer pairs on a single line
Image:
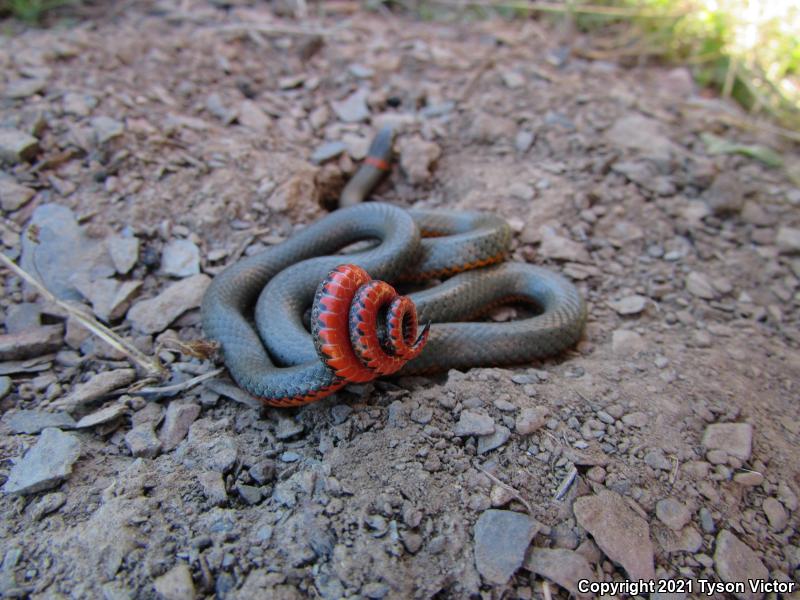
{"points": [[514, 493]]}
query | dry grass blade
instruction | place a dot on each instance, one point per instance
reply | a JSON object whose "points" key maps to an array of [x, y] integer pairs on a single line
{"points": [[168, 390], [150, 366], [556, 7], [509, 489]]}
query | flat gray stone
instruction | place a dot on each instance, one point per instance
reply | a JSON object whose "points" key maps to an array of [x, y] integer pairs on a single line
{"points": [[735, 439], [142, 441], [776, 514], [5, 386], [23, 88], [486, 443], [181, 258], [625, 342], [110, 298], [45, 465], [353, 108], [629, 305], [124, 251], [557, 247], [621, 533], [327, 151], [209, 447], [104, 415], [17, 146], [251, 116], [13, 195], [106, 128], [788, 240], [98, 386], [22, 317], [213, 487], [501, 541], [726, 195], [643, 134], [288, 428], [562, 566], [177, 421], [156, 314], [31, 343], [672, 513], [736, 561], [76, 103], [699, 285], [34, 421], [470, 423]]}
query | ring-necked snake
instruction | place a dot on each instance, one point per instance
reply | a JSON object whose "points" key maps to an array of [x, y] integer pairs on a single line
{"points": [[361, 328]]}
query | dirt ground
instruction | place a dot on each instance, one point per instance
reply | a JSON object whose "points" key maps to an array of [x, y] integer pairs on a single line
{"points": [[663, 447]]}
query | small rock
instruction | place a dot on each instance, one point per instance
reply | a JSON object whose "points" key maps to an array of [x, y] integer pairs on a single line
{"points": [[104, 415], [494, 440], [152, 413], [357, 145], [629, 305], [627, 343], [564, 567], [699, 285], [522, 191], [422, 415], [45, 465], [252, 117], [5, 386], [524, 141], [17, 146], [155, 315], [110, 298], [655, 458], [106, 128], [557, 247], [501, 540], [375, 590], [749, 478], [340, 413], [142, 441], [49, 503], [776, 514], [488, 129], [209, 447], [78, 104], [637, 132], [734, 438], [249, 493], [177, 421], [23, 88], [213, 487], [22, 317], [31, 343], [621, 533], [417, 157], [353, 108], [13, 195], [124, 251], [531, 420], [788, 240], [327, 151], [94, 389], [672, 513], [288, 428], [470, 423], [176, 584], [735, 561], [726, 195], [33, 421], [181, 258], [263, 471], [513, 79]]}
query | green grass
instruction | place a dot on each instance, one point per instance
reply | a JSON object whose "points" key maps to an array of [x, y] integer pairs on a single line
{"points": [[30, 11]]}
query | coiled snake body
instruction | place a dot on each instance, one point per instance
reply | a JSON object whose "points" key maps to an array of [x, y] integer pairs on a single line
{"points": [[255, 308]]}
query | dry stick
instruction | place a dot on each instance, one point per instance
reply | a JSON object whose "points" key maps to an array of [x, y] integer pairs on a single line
{"points": [[150, 366], [178, 387], [556, 7], [508, 488]]}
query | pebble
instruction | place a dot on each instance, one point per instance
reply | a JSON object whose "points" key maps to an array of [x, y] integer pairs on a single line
{"points": [[78, 104], [655, 458], [34, 421], [106, 129], [352, 109], [340, 413], [110, 298], [488, 129], [156, 314], [699, 285], [253, 118], [788, 240], [23, 316], [48, 504], [726, 195], [735, 561], [263, 471], [287, 428], [23, 88], [521, 191], [357, 145], [209, 447], [625, 342], [557, 247], [637, 132], [104, 415], [17, 146], [621, 533], [776, 514], [530, 420], [749, 478], [213, 487], [361, 71], [375, 590], [176, 584], [142, 441], [14, 196], [124, 251], [672, 513], [524, 140], [181, 258], [98, 386], [327, 151], [422, 415], [513, 79], [736, 439], [501, 541], [494, 440], [45, 465], [417, 157], [31, 343], [564, 567], [470, 423], [177, 421], [5, 386], [249, 493], [629, 305]]}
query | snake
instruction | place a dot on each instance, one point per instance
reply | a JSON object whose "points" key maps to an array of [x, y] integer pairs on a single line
{"points": [[303, 318]]}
